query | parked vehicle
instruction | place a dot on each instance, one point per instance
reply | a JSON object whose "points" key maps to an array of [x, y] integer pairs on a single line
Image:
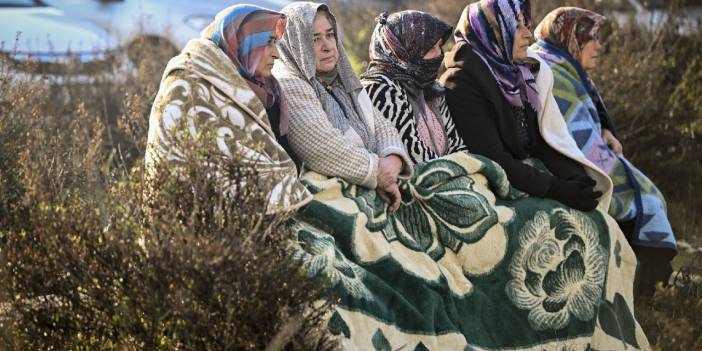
{"points": [[87, 36], [37, 38]]}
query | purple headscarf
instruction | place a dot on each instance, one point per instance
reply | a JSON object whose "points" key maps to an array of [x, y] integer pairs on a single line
{"points": [[489, 27]]}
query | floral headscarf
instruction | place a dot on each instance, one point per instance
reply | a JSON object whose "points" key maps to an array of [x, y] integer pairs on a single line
{"points": [[570, 28], [398, 45], [243, 32], [489, 26]]}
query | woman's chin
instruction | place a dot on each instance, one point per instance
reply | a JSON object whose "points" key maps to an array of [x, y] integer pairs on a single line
{"points": [[326, 67]]}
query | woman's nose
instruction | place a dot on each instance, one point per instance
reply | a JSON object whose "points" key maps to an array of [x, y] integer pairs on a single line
{"points": [[274, 52]]}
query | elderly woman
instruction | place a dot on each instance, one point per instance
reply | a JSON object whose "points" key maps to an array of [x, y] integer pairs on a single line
{"points": [[221, 85], [405, 52], [333, 127], [568, 41], [493, 95]]}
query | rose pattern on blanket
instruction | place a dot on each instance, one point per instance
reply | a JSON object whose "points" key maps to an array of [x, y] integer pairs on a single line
{"points": [[559, 269]]}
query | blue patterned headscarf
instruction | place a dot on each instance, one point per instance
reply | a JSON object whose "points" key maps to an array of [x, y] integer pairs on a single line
{"points": [[489, 27], [243, 32]]}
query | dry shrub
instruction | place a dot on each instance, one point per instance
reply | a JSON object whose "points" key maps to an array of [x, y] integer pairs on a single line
{"points": [[672, 318], [87, 261]]}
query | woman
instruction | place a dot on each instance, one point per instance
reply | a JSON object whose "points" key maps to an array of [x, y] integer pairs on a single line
{"points": [[221, 84], [494, 98], [333, 127], [405, 52], [568, 41]]}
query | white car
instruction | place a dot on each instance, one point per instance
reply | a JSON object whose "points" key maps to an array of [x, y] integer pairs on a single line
{"points": [[93, 34], [32, 31]]}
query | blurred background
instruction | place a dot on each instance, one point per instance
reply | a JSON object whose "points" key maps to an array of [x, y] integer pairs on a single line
{"points": [[78, 77]]}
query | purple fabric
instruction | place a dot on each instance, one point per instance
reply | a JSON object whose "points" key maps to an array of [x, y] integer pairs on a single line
{"points": [[489, 27]]}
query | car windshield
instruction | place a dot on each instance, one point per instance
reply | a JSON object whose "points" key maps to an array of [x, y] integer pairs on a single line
{"points": [[21, 3]]}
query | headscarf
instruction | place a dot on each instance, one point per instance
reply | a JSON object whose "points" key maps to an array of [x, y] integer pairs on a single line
{"points": [[562, 34], [398, 45], [489, 26], [570, 28], [338, 98], [397, 50], [243, 32]]}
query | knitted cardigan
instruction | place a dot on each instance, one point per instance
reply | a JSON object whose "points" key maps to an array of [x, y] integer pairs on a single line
{"points": [[316, 142]]}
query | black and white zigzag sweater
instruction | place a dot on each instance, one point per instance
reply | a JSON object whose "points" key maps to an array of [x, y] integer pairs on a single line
{"points": [[392, 101]]}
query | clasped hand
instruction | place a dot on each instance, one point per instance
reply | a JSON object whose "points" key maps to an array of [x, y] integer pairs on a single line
{"points": [[389, 168]]}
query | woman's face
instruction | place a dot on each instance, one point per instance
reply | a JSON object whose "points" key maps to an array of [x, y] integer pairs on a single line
{"points": [[270, 54], [325, 51], [522, 40], [434, 52], [590, 54]]}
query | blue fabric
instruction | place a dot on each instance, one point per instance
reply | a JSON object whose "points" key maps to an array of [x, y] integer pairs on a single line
{"points": [[635, 196]]}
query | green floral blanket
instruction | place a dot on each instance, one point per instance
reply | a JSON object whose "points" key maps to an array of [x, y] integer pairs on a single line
{"points": [[467, 263]]}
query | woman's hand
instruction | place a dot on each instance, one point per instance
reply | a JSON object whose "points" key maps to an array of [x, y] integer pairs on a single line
{"points": [[611, 141], [392, 196], [389, 168]]}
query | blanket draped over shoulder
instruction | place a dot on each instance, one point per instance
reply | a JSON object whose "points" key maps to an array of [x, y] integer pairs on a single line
{"points": [[635, 197], [202, 88], [467, 263]]}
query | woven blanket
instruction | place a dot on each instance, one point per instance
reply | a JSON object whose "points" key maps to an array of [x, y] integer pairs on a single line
{"points": [[467, 263], [635, 196]]}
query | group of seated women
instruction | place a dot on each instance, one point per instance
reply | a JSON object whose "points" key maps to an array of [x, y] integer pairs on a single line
{"points": [[278, 88]]}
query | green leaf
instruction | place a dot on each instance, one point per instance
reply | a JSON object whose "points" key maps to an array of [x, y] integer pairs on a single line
{"points": [[337, 325], [617, 320], [380, 343], [618, 254]]}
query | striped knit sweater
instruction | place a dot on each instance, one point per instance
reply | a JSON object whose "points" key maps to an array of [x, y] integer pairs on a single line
{"points": [[325, 149]]}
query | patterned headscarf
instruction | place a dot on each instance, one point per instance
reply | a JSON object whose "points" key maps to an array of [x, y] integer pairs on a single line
{"points": [[243, 32], [561, 35], [398, 45], [489, 26], [570, 28]]}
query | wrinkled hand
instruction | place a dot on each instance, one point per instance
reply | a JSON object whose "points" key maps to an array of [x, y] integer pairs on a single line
{"points": [[389, 168], [392, 196], [611, 141]]}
